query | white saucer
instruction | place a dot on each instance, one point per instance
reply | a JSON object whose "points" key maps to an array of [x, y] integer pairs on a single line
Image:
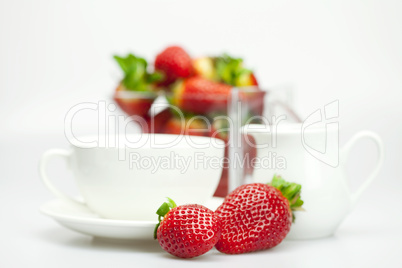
{"points": [[83, 220]]}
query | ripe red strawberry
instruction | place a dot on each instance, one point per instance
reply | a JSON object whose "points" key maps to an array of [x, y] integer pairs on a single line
{"points": [[257, 216], [186, 126], [187, 231], [175, 63], [201, 96]]}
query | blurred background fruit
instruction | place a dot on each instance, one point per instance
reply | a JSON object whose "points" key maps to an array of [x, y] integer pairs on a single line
{"points": [[187, 126], [197, 92], [156, 123], [204, 67], [134, 103], [174, 63], [201, 96]]}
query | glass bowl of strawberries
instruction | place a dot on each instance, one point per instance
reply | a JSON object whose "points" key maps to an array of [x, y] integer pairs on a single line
{"points": [[197, 97]]}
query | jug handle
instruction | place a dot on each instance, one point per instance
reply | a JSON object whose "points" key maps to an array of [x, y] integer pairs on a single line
{"points": [[380, 146]]}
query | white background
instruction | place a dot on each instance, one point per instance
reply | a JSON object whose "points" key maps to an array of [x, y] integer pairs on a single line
{"points": [[55, 54]]}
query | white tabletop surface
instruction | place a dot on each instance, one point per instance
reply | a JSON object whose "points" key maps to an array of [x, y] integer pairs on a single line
{"points": [[370, 237]]}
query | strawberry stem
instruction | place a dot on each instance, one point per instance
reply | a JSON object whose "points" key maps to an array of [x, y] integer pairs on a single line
{"points": [[290, 190], [162, 211]]}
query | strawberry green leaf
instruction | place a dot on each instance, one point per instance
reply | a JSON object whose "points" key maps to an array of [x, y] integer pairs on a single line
{"points": [[162, 211], [171, 203], [155, 77], [290, 190], [136, 77], [230, 70], [122, 63]]}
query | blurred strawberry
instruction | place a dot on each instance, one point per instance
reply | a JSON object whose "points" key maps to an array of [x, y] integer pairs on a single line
{"points": [[249, 153], [134, 103], [222, 189], [187, 126], [135, 93], [174, 63], [224, 69], [156, 124], [138, 107], [246, 79], [232, 72], [249, 147], [205, 67], [253, 98], [136, 77], [201, 96]]}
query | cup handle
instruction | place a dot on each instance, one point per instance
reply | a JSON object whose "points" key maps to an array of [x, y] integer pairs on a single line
{"points": [[346, 150], [43, 174]]}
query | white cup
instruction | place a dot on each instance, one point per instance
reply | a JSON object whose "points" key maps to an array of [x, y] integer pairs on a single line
{"points": [[120, 182], [327, 197]]}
